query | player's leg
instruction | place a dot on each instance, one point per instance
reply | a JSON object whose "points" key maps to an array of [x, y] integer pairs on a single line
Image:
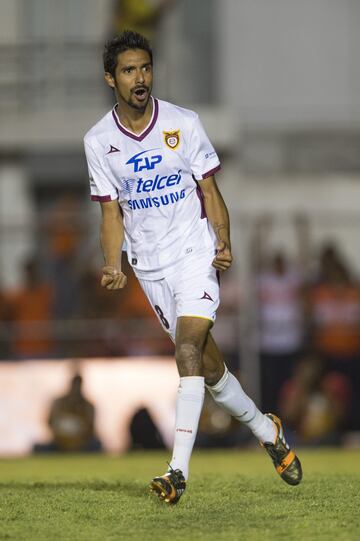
{"points": [[196, 292], [228, 393], [191, 335]]}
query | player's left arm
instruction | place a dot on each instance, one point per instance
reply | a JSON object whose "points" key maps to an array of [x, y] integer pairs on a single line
{"points": [[218, 217]]}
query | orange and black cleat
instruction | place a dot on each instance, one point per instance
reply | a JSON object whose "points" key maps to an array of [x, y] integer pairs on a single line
{"points": [[169, 487], [284, 459]]}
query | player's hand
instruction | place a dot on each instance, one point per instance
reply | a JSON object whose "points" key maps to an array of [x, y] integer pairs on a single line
{"points": [[113, 278], [223, 258]]}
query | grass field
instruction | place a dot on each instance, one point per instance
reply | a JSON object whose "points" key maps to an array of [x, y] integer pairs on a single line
{"points": [[232, 495]]}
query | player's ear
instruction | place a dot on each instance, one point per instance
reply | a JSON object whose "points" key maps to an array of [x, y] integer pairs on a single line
{"points": [[109, 79]]}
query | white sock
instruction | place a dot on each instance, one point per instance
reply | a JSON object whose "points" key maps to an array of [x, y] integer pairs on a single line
{"points": [[189, 404], [229, 394]]}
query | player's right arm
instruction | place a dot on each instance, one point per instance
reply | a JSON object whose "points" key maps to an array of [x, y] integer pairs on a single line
{"points": [[112, 239]]}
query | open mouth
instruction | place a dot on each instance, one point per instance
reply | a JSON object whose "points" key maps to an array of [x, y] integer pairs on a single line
{"points": [[141, 93]]}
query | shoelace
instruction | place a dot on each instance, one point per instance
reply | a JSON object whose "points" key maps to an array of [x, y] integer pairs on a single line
{"points": [[177, 479], [273, 453]]}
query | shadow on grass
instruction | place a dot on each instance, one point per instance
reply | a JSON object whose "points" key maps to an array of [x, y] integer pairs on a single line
{"points": [[135, 490]]}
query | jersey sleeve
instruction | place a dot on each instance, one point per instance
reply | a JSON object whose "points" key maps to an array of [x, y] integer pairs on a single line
{"points": [[204, 161], [101, 187]]}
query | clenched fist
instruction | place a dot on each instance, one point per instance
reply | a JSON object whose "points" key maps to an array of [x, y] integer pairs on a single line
{"points": [[113, 278], [223, 258]]}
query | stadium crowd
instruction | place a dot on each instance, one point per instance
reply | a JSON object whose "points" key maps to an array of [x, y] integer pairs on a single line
{"points": [[308, 321]]}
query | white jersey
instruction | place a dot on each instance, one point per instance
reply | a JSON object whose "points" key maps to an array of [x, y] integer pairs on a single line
{"points": [[154, 176]]}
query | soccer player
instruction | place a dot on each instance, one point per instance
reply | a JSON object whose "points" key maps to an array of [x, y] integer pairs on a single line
{"points": [[151, 167]]}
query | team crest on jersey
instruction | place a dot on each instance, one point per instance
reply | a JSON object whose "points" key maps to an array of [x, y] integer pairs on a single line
{"points": [[172, 139]]}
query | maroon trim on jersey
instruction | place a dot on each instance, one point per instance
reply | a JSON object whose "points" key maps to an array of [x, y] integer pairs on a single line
{"points": [[142, 135], [201, 199], [211, 172], [101, 198]]}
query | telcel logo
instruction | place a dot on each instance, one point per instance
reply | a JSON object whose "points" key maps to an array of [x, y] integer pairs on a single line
{"points": [[141, 162]]}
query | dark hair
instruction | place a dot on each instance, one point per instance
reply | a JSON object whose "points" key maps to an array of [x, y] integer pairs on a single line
{"points": [[123, 42]]}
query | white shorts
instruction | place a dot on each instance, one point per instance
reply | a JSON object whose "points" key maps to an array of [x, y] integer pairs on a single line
{"points": [[193, 290]]}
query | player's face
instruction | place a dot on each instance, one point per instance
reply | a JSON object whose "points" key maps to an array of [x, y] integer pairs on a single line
{"points": [[133, 78]]}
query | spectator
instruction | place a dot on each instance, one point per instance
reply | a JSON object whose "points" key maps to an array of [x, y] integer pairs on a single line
{"points": [[280, 309], [315, 403], [97, 307], [334, 322], [328, 258], [71, 421], [144, 433], [63, 231], [29, 311]]}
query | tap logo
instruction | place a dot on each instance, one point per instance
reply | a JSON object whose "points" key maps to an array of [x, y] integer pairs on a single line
{"points": [[142, 160], [172, 139]]}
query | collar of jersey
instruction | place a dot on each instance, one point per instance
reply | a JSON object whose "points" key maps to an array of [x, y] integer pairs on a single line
{"points": [[147, 130]]}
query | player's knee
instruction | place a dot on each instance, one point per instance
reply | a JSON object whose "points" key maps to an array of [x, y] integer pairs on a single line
{"points": [[213, 374], [188, 358]]}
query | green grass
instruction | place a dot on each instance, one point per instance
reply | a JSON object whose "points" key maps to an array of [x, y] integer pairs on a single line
{"points": [[232, 495]]}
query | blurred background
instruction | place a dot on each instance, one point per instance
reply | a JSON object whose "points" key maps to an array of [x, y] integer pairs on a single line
{"points": [[277, 86]]}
